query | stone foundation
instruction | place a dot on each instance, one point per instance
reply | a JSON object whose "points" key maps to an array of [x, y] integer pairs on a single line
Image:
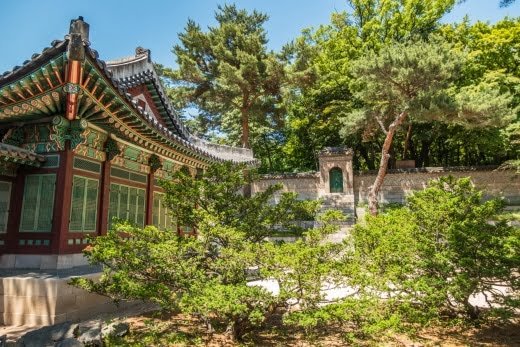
{"points": [[44, 298], [42, 261]]}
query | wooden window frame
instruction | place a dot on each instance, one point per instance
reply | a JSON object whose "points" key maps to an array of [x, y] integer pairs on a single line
{"points": [[84, 209], [128, 204], [36, 218], [164, 215]]}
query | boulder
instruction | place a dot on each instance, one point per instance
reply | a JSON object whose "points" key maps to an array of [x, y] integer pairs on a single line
{"points": [[119, 329], [48, 336], [69, 342], [89, 333]]}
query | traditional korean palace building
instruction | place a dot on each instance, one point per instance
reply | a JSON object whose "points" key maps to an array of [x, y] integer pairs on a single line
{"points": [[83, 141]]}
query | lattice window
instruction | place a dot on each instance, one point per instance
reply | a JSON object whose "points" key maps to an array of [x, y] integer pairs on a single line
{"points": [[186, 229], [38, 203], [127, 203], [162, 217], [51, 161], [83, 212], [127, 175], [87, 165], [5, 197]]}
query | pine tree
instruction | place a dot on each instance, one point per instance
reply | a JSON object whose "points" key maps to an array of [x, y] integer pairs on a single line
{"points": [[417, 81], [228, 74]]}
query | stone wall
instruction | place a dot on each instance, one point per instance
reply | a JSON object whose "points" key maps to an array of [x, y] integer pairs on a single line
{"points": [[399, 183], [307, 185]]}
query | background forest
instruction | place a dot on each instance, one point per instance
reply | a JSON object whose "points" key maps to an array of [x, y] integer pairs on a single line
{"points": [[288, 105]]}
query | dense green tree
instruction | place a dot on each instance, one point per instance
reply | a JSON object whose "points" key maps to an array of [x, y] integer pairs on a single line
{"points": [[434, 254], [428, 257], [215, 195], [319, 63], [505, 3], [227, 73], [208, 276], [493, 50], [416, 81]]}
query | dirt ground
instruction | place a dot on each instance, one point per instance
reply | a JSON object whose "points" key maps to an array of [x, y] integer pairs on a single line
{"points": [[179, 330]]}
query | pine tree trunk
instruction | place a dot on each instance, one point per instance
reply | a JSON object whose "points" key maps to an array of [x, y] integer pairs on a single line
{"points": [[383, 165], [268, 150], [407, 141], [245, 128]]}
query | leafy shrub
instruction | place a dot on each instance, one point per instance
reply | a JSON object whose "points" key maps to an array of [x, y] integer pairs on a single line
{"points": [[433, 255], [207, 276]]}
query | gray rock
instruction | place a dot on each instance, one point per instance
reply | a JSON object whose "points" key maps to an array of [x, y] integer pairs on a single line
{"points": [[89, 333], [119, 329], [48, 336], [69, 342]]}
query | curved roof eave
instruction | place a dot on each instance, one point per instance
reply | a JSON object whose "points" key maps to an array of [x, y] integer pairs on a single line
{"points": [[212, 152]]}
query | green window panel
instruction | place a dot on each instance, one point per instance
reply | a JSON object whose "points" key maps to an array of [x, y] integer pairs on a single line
{"points": [[83, 213], [140, 207], [161, 215], [156, 209], [38, 203], [132, 204], [91, 205], [127, 203], [114, 203], [5, 197], [123, 202]]}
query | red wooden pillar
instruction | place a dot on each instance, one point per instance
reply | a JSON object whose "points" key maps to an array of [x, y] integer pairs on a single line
{"points": [[15, 211], [104, 200], [62, 203]]}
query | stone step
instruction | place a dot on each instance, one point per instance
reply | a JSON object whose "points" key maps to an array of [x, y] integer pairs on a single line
{"points": [[351, 206], [345, 198], [349, 210]]}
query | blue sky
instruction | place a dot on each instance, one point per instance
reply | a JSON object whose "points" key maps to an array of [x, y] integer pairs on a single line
{"points": [[117, 27]]}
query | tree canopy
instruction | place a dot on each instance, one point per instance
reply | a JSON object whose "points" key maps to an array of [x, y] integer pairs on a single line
{"points": [[293, 103], [228, 74], [417, 82]]}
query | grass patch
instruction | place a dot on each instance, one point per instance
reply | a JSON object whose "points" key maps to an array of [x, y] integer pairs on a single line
{"points": [[180, 330]]}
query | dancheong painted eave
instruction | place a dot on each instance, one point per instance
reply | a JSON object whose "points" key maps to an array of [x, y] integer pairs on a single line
{"points": [[102, 95]]}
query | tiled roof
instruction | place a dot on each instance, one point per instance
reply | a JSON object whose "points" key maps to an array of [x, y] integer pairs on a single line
{"points": [[120, 84], [19, 155], [139, 70], [37, 59]]}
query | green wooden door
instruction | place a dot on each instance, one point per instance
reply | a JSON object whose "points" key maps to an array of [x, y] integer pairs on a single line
{"points": [[38, 203], [336, 180], [83, 213]]}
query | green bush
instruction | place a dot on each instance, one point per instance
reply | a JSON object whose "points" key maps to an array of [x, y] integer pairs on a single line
{"points": [[411, 264], [207, 276], [444, 246]]}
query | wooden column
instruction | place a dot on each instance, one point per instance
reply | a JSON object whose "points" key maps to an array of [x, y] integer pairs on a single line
{"points": [[104, 199], [73, 78], [15, 211], [62, 203]]}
